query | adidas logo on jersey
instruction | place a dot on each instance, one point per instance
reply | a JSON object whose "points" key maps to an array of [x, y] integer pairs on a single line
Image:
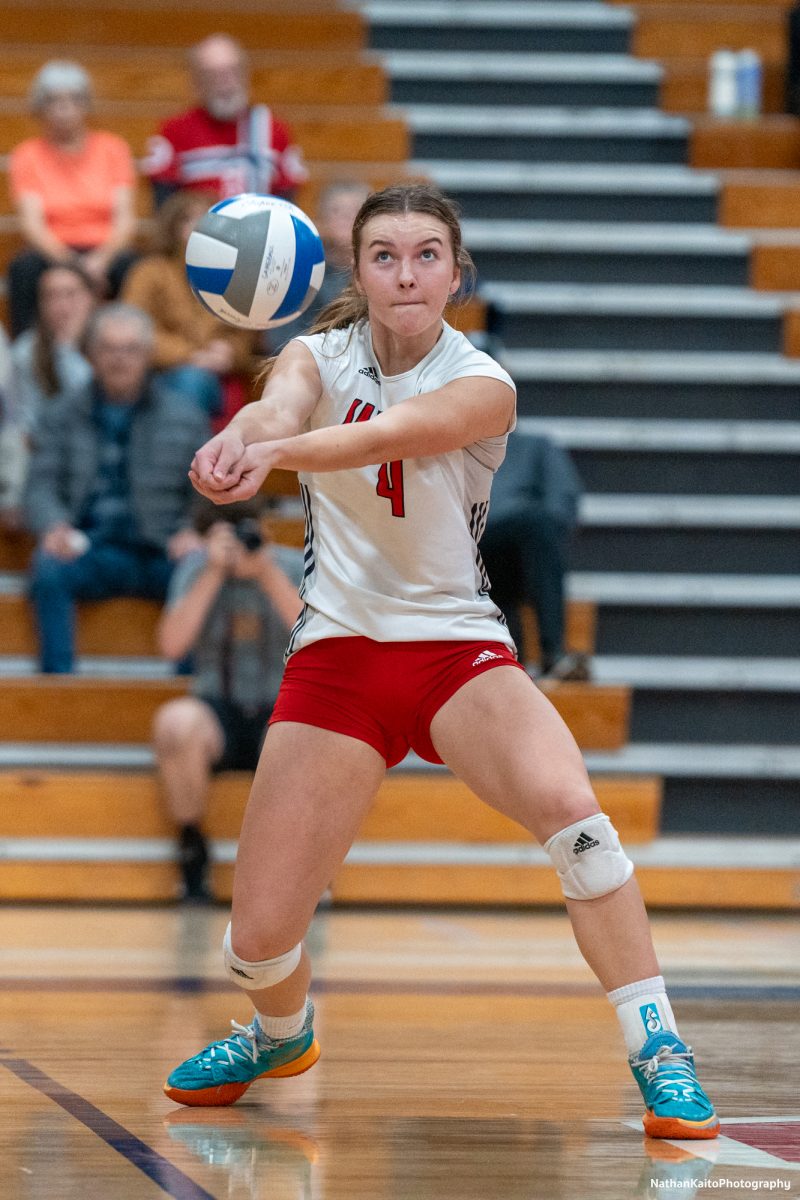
{"points": [[370, 373], [485, 656], [584, 842]]}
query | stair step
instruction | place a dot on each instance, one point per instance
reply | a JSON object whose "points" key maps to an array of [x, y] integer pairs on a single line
{"points": [[557, 316], [546, 134], [764, 591], [611, 253], [647, 383], [666, 436], [448, 25], [575, 191], [583, 80], [705, 512]]}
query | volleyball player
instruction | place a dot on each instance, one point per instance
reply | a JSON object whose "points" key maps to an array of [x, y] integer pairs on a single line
{"points": [[395, 425]]}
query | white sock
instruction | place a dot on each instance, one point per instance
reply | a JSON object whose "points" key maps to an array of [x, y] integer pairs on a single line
{"points": [[643, 1009], [277, 1028]]}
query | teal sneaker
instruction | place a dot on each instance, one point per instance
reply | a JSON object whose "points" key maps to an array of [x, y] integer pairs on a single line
{"points": [[676, 1105], [223, 1072]]}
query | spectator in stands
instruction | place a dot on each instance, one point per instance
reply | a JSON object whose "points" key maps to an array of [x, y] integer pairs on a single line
{"points": [[230, 606], [11, 444], [336, 212], [525, 546], [225, 145], [108, 494], [48, 359], [73, 190], [196, 353]]}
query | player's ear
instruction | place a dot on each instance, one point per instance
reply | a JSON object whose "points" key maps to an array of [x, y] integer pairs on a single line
{"points": [[456, 281]]}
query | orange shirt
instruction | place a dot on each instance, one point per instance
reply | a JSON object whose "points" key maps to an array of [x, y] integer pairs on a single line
{"points": [[77, 190]]}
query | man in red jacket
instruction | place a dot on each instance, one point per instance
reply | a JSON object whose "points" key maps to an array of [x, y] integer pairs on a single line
{"points": [[225, 145]]}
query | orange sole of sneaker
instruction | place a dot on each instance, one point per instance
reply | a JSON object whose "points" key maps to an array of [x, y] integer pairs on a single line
{"points": [[229, 1093], [670, 1127]]}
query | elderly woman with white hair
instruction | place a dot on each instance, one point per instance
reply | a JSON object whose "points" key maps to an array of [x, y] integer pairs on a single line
{"points": [[73, 190]]}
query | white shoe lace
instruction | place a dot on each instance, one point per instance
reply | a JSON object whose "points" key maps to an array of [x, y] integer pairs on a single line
{"points": [[239, 1047], [681, 1079]]}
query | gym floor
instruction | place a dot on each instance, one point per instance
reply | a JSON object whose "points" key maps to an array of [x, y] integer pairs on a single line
{"points": [[465, 1056]]}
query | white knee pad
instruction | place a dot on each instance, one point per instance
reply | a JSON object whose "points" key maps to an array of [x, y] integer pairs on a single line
{"points": [[589, 859], [257, 975]]}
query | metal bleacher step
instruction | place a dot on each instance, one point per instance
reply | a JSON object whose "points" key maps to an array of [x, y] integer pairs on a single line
{"points": [[628, 317], [690, 699], [701, 436], [570, 27], [703, 534], [710, 457], [430, 77], [737, 616], [648, 383], [546, 134], [575, 191], [579, 252]]}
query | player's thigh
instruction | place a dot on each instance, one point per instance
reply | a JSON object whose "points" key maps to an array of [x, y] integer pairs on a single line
{"points": [[310, 794], [504, 738]]}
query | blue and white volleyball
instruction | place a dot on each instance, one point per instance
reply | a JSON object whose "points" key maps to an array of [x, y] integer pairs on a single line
{"points": [[255, 261]]}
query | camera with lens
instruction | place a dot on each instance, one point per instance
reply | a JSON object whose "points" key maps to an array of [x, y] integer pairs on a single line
{"points": [[248, 531]]}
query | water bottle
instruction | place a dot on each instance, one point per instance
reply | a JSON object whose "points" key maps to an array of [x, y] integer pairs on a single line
{"points": [[748, 84], [722, 84]]}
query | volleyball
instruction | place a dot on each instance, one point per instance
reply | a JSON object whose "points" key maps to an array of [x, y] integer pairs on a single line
{"points": [[255, 261]]}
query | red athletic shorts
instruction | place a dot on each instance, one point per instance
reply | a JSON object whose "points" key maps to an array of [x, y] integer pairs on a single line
{"points": [[383, 693]]}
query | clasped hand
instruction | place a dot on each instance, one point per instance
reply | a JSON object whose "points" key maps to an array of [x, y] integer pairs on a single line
{"points": [[225, 470]]}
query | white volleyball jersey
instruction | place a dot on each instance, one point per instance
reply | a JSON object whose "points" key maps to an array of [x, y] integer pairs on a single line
{"points": [[391, 551]]}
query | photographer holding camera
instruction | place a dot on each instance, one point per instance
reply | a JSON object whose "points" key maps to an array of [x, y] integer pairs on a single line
{"points": [[229, 607]]}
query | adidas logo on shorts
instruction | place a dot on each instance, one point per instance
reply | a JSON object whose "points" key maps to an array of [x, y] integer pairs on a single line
{"points": [[485, 656], [584, 842]]}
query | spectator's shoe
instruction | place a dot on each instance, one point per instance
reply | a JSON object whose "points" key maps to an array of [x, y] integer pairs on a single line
{"points": [[676, 1105], [567, 668], [223, 1072], [193, 859]]}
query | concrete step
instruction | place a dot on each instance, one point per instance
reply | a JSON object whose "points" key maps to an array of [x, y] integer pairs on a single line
{"points": [[582, 80], [591, 135], [466, 25], [575, 191], [722, 616], [673, 457], [612, 253], [610, 317], [691, 534], [740, 791], [709, 700], [614, 384]]}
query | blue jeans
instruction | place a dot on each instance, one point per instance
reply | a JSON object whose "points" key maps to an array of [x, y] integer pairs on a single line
{"points": [[102, 572], [202, 387]]}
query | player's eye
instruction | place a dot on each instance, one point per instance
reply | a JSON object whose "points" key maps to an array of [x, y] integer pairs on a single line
{"points": [[428, 255], [382, 256]]}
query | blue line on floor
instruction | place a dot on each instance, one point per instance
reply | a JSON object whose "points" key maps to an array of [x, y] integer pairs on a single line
{"points": [[197, 985], [168, 1177]]}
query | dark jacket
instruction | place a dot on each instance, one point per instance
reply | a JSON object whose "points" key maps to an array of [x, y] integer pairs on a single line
{"points": [[536, 474], [166, 431]]}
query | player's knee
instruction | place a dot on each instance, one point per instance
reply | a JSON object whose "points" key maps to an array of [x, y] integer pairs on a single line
{"points": [[588, 858], [175, 726], [261, 973]]}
